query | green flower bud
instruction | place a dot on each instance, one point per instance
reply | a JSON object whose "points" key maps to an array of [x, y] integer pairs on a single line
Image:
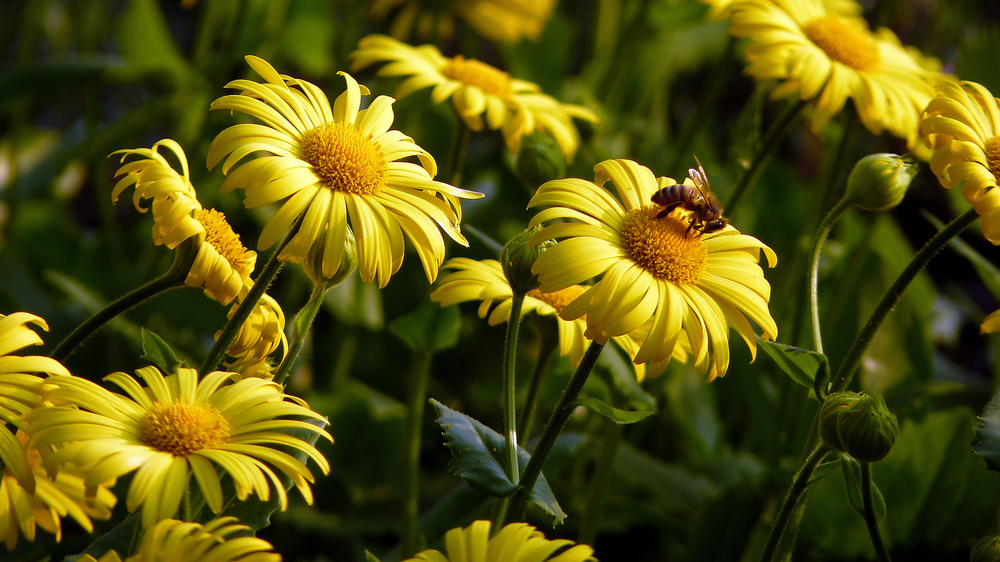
{"points": [[986, 549], [829, 417], [517, 257], [878, 182], [540, 160], [313, 264], [868, 429]]}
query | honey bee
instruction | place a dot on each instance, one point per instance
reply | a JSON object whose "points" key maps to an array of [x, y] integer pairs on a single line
{"points": [[706, 210]]}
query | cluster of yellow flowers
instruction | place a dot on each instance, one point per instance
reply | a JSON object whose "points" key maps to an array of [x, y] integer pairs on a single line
{"points": [[624, 267]]}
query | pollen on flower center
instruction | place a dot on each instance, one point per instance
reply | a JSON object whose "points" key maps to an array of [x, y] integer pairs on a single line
{"points": [[844, 43], [992, 150], [220, 235], [475, 73], [558, 299], [181, 429], [345, 159], [663, 246]]}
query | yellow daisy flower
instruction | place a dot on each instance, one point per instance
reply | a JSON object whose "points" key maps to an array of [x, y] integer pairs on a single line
{"points": [[480, 93], [962, 126], [827, 57], [171, 540], [20, 391], [516, 542], [261, 334], [222, 265], [496, 20], [656, 274], [337, 166], [176, 426], [484, 280], [21, 511]]}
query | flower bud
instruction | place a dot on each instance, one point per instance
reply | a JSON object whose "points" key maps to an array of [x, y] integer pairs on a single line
{"points": [[313, 264], [986, 549], [867, 428], [829, 417], [540, 160], [517, 257], [878, 182]]}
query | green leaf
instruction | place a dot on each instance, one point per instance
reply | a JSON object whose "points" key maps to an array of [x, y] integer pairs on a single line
{"points": [[613, 414], [852, 481], [746, 131], [476, 458], [800, 364], [158, 352], [987, 441], [46, 79], [145, 41], [369, 557], [822, 471], [430, 328]]}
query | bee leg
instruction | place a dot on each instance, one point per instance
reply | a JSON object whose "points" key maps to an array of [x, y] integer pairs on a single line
{"points": [[667, 209]]}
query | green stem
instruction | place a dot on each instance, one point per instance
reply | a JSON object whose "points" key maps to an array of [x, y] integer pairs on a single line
{"points": [[561, 413], [774, 134], [799, 485], [595, 493], [416, 393], [303, 321], [173, 278], [510, 387], [817, 248], [547, 346], [456, 154], [263, 281], [853, 358], [870, 520]]}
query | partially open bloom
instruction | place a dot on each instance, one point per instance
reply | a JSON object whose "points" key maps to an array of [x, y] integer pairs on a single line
{"points": [[174, 427], [22, 512], [480, 93], [655, 274], [962, 126], [260, 336], [222, 265], [20, 389], [516, 542], [497, 20], [340, 168], [484, 280], [827, 57]]}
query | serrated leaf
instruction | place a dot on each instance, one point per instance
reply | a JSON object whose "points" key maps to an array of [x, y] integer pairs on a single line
{"points": [[476, 458], [430, 328], [801, 365], [159, 352], [612, 413], [987, 441]]}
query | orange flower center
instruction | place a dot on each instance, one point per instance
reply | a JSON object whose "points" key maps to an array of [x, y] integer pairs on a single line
{"points": [[559, 299], [181, 429], [475, 73], [344, 159], [662, 246], [992, 150], [220, 235], [844, 43]]}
